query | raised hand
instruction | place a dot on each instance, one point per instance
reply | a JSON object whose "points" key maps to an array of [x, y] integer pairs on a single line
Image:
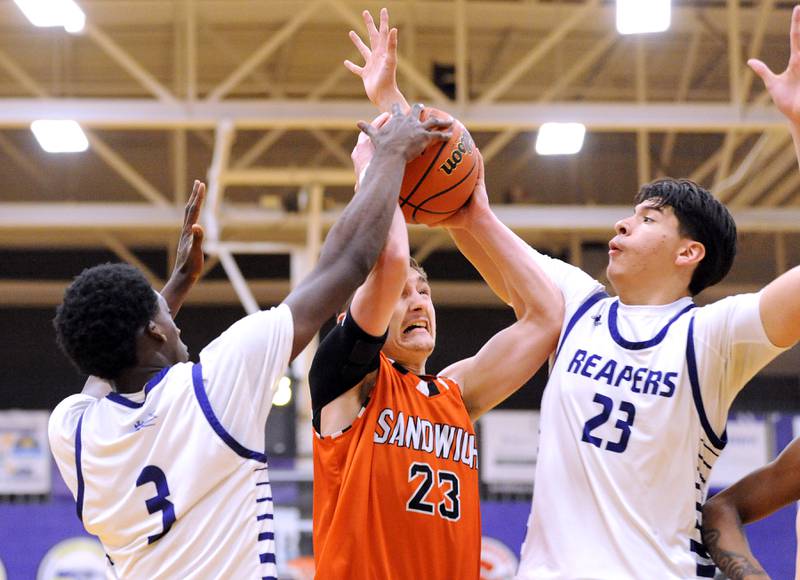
{"points": [[379, 73], [189, 257], [405, 134], [784, 88]]}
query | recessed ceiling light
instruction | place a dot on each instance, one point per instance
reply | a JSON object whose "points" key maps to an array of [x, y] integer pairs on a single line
{"points": [[61, 136], [560, 138]]}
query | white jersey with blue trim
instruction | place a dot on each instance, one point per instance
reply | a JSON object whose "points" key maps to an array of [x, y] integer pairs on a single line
{"points": [[632, 421], [173, 480]]}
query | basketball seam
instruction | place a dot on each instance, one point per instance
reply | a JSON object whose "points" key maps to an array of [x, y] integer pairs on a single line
{"points": [[404, 200], [420, 208]]}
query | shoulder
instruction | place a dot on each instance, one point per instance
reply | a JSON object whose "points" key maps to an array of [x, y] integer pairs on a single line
{"points": [[259, 323], [64, 419], [735, 313]]}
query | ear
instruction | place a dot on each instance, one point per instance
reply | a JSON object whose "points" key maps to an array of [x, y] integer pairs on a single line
{"points": [[154, 331], [690, 253]]}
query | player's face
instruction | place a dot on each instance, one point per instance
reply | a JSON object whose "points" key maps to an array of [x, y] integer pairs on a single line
{"points": [[645, 247], [412, 329], [173, 348]]}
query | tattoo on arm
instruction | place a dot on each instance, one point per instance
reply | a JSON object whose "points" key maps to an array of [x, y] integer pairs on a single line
{"points": [[735, 566]]}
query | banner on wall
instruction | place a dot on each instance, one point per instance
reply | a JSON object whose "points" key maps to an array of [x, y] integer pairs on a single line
{"points": [[24, 453], [509, 447], [74, 558], [749, 447]]}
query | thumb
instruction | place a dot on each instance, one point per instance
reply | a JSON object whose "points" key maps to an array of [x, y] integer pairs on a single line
{"points": [[762, 71], [197, 234]]}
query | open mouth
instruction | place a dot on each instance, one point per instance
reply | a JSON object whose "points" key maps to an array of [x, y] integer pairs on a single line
{"points": [[416, 325]]}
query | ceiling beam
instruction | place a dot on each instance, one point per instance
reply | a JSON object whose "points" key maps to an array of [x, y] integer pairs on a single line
{"points": [[253, 114], [17, 218]]}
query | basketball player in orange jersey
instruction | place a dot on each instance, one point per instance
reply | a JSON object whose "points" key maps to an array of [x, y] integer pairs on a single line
{"points": [[395, 457]]}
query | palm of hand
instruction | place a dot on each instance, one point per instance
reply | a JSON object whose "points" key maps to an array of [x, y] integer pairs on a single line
{"points": [[785, 90], [189, 258], [378, 77]]}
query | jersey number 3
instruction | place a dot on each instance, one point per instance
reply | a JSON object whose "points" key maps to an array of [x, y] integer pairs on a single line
{"points": [[449, 507], [624, 425], [158, 503]]}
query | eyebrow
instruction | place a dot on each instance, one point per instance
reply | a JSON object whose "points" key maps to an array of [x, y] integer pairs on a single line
{"points": [[659, 209]]}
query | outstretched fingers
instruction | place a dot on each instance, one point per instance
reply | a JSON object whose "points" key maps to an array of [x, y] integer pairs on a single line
{"points": [[794, 34], [195, 203], [362, 48], [374, 35], [763, 71], [391, 54], [384, 30]]}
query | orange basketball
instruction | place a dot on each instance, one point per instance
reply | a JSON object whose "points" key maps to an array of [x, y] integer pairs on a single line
{"points": [[437, 183]]}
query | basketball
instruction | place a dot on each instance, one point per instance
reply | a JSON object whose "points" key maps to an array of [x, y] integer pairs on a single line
{"points": [[437, 183]]}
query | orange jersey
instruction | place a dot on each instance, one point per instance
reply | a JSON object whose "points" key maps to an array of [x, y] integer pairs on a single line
{"points": [[396, 493]]}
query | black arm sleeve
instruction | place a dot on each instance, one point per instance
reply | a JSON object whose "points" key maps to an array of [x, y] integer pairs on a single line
{"points": [[344, 357]]}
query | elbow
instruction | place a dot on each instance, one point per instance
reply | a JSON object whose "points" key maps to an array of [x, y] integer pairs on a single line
{"points": [[548, 318], [717, 510]]}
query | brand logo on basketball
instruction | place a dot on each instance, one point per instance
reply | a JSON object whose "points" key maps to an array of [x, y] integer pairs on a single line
{"points": [[464, 147]]}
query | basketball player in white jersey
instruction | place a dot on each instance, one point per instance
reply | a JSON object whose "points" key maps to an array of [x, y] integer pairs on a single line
{"points": [[168, 469], [633, 416]]}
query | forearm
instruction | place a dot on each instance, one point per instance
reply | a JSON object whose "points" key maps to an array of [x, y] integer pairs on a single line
{"points": [[375, 299], [384, 101], [176, 290], [726, 543], [472, 250], [367, 218], [530, 289], [351, 247]]}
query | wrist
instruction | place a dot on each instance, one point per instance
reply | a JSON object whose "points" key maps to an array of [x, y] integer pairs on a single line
{"points": [[387, 153], [479, 218], [384, 101]]}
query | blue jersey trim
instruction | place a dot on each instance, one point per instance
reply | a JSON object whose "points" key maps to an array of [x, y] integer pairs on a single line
{"points": [[706, 571], [117, 398], [79, 471], [582, 309], [205, 405], [612, 326], [691, 363]]}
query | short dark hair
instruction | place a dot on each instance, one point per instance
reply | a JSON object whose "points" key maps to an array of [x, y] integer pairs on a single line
{"points": [[702, 218], [103, 310]]}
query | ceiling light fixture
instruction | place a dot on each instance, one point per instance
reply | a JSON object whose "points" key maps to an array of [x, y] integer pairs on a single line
{"points": [[643, 16], [560, 138], [61, 136], [46, 13]]}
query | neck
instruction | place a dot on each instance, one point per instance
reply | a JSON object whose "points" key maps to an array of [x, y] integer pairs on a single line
{"points": [[651, 295], [416, 368], [134, 379]]}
